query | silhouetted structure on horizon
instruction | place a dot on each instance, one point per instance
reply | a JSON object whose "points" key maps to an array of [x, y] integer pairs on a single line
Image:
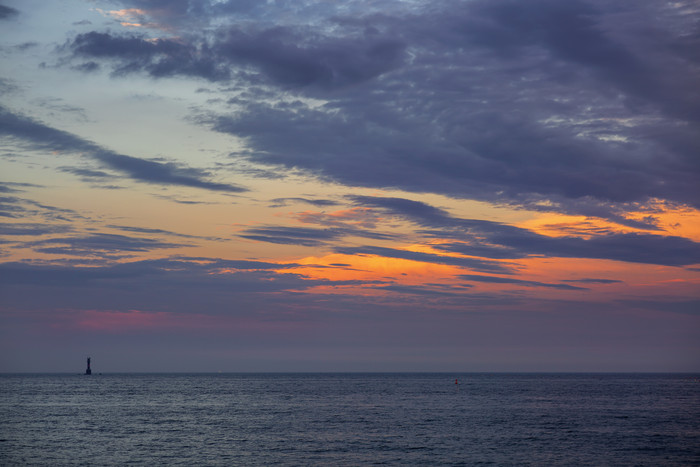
{"points": [[88, 371]]}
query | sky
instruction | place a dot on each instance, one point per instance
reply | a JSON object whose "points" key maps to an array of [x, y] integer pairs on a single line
{"points": [[358, 185]]}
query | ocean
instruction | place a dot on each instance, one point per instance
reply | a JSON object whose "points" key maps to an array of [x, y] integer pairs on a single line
{"points": [[352, 419]]}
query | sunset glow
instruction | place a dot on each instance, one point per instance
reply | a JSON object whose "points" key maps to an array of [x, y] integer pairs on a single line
{"points": [[262, 183]]}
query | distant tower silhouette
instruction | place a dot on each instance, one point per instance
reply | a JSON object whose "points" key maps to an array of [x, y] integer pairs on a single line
{"points": [[88, 371]]}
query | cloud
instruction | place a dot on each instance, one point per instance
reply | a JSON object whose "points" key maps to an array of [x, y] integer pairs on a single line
{"points": [[138, 53], [504, 102], [162, 15], [350, 220], [88, 175], [470, 263], [500, 241], [416, 211], [578, 107], [285, 56], [306, 236], [161, 173], [594, 281], [291, 235], [87, 67], [278, 202], [242, 264], [629, 247], [10, 207], [185, 285], [6, 188], [483, 243], [38, 136], [582, 108], [510, 280], [98, 245], [7, 12], [293, 58], [16, 207], [144, 230], [32, 229]]}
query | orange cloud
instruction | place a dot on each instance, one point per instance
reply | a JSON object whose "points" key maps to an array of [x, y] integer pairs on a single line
{"points": [[130, 17], [371, 267], [668, 219], [134, 18]]}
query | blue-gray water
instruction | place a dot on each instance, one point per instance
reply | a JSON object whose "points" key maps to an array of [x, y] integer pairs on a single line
{"points": [[350, 419]]}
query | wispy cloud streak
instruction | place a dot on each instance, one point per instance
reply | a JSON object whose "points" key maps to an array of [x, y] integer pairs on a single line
{"points": [[500, 241], [38, 136]]}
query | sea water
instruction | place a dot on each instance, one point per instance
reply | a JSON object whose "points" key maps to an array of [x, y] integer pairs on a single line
{"points": [[350, 419]]}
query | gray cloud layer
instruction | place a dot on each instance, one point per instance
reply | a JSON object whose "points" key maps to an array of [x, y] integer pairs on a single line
{"points": [[590, 106]]}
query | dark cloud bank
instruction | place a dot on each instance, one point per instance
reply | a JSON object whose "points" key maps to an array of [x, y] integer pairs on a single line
{"points": [[580, 107]]}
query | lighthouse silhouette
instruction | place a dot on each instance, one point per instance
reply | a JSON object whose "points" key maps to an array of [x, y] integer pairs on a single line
{"points": [[88, 371]]}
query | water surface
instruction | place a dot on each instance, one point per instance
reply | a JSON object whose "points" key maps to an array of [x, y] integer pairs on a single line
{"points": [[350, 419]]}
